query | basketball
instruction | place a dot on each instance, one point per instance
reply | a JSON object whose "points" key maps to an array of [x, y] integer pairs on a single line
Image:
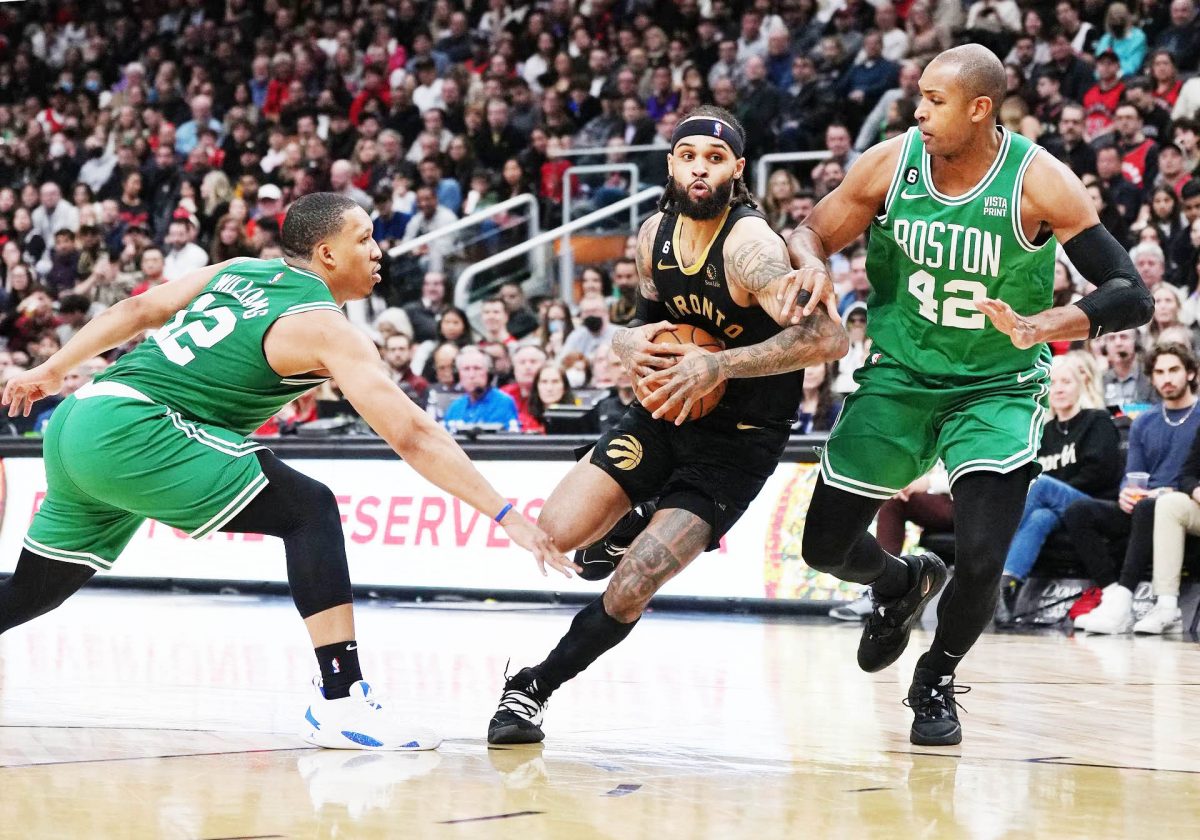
{"points": [[684, 334]]}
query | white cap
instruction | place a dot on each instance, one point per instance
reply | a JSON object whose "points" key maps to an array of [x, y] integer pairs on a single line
{"points": [[269, 191]]}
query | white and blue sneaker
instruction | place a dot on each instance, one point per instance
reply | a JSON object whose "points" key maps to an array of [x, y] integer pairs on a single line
{"points": [[361, 721]]}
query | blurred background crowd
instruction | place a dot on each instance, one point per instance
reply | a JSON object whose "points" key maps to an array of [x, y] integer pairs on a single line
{"points": [[139, 140]]}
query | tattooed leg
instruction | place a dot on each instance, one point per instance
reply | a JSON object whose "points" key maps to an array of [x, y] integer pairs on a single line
{"points": [[672, 540]]}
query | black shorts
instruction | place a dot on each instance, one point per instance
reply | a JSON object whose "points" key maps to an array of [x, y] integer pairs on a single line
{"points": [[712, 467]]}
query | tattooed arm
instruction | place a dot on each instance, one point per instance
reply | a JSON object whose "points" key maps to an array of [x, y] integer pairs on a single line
{"points": [[757, 264], [635, 343], [756, 267]]}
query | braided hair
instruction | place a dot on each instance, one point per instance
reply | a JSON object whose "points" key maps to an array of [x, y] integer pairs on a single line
{"points": [[741, 196]]}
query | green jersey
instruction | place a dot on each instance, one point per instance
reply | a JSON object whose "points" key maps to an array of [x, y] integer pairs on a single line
{"points": [[207, 362], [932, 255]]}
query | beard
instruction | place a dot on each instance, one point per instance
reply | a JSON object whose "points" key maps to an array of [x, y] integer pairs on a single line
{"points": [[710, 207]]}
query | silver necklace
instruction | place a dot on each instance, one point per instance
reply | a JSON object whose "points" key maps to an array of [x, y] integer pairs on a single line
{"points": [[1181, 420]]}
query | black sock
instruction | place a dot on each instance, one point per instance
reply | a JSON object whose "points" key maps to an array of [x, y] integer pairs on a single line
{"points": [[894, 581], [938, 660], [592, 632], [339, 668]]}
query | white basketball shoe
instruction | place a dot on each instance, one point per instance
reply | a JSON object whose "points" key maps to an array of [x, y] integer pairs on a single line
{"points": [[1163, 617], [362, 721]]}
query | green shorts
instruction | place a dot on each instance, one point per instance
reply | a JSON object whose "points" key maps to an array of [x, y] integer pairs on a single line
{"points": [[897, 424], [115, 458]]}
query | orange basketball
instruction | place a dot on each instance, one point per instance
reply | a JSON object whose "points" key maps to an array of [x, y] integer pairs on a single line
{"points": [[684, 334]]}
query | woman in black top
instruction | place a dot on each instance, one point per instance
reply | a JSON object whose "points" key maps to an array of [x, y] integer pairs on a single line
{"points": [[1079, 457]]}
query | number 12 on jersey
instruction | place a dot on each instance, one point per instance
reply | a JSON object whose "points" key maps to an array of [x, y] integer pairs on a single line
{"points": [[957, 310]]}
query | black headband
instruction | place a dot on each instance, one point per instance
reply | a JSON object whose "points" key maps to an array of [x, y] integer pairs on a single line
{"points": [[709, 127]]}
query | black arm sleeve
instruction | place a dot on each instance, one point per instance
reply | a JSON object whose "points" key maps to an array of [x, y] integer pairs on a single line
{"points": [[648, 312], [1121, 301]]}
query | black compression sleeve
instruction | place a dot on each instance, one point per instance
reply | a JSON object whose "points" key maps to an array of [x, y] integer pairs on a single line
{"points": [[1120, 301], [649, 311]]}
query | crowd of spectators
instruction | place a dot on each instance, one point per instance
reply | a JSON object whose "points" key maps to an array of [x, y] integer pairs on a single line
{"points": [[138, 143]]}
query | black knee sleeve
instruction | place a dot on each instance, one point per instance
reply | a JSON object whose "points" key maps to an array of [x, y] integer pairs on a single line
{"points": [[835, 534], [37, 586], [304, 514]]}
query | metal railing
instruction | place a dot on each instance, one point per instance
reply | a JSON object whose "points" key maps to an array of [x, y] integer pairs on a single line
{"points": [[566, 256], [608, 150], [760, 168], [535, 223], [462, 287]]}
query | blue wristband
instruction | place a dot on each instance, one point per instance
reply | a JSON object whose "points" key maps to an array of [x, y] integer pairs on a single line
{"points": [[503, 511]]}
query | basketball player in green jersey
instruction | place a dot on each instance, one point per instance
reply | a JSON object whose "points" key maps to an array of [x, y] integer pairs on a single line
{"points": [[962, 217], [162, 434]]}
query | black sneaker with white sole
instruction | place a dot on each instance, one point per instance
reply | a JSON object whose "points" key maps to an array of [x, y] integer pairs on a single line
{"points": [[518, 719], [888, 627], [935, 711], [600, 559]]}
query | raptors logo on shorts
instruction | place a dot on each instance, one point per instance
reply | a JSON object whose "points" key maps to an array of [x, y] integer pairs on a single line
{"points": [[625, 452]]}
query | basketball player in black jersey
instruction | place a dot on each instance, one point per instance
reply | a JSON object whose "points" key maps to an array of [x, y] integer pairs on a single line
{"points": [[708, 259]]}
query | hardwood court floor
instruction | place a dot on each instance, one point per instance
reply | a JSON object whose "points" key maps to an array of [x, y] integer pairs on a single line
{"points": [[161, 716]]}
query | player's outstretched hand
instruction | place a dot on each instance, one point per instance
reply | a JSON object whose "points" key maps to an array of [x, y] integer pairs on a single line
{"points": [[1021, 330], [538, 543], [640, 355], [29, 386], [685, 383], [804, 289]]}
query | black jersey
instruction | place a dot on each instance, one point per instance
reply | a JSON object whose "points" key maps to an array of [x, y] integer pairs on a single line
{"points": [[699, 295]]}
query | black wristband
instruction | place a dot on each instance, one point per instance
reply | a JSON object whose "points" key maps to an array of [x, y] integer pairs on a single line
{"points": [[1120, 301]]}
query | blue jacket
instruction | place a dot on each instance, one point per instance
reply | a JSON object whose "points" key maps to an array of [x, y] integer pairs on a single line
{"points": [[493, 407]]}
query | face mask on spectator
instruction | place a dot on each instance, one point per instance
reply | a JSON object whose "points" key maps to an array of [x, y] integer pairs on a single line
{"points": [[92, 85], [576, 378], [593, 323], [58, 149], [556, 327]]}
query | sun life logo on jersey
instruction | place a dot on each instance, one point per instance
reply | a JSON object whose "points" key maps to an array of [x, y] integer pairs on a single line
{"points": [[710, 275], [625, 452], [995, 205]]}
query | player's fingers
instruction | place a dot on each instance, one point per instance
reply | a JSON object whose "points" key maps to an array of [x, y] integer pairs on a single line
{"points": [[685, 410], [662, 350], [669, 404]]}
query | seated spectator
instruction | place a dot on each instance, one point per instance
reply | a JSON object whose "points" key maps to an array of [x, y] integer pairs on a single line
{"points": [[595, 330], [819, 408], [444, 388], [1123, 37], [73, 312], [860, 348], [781, 187], [521, 320], [151, 265], [1159, 442], [578, 369], [429, 217], [1079, 457], [1176, 514], [229, 241], [1168, 301], [502, 365], [397, 355], [481, 402], [925, 502], [1125, 383], [182, 254], [64, 264], [611, 408], [556, 325], [526, 362], [493, 316], [625, 288], [425, 313], [550, 389]]}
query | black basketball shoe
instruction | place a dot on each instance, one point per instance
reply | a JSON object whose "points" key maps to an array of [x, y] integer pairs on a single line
{"points": [[886, 633], [935, 712], [600, 559], [518, 719]]}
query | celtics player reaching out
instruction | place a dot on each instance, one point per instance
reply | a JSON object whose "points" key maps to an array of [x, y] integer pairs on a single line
{"points": [[161, 434], [962, 216]]}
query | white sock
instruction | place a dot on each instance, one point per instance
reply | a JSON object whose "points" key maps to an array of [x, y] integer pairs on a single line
{"points": [[1167, 602]]}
